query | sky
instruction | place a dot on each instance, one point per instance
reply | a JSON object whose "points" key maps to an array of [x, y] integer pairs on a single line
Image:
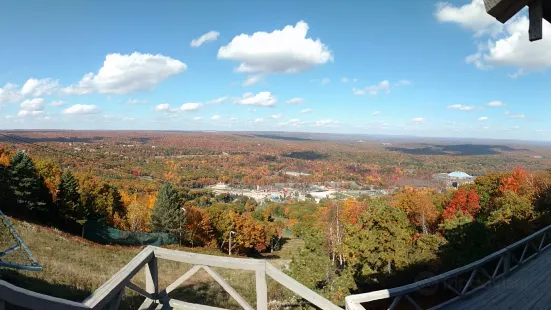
{"points": [[427, 68]]}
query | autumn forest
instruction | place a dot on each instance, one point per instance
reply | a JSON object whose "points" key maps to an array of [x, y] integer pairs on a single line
{"points": [[385, 218]]}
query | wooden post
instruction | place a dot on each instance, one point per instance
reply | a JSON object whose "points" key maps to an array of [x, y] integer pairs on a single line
{"points": [[506, 262], [535, 14], [261, 290], [114, 304], [152, 277]]}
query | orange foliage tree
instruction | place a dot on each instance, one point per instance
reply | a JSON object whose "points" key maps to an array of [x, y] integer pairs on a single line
{"points": [[466, 203], [419, 207]]}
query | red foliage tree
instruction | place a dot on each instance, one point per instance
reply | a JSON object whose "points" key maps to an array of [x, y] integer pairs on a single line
{"points": [[466, 202]]}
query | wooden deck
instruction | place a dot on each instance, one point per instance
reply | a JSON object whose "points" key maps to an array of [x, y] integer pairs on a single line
{"points": [[527, 288]]}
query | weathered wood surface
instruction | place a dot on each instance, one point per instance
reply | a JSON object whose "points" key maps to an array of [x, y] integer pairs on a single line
{"points": [[503, 10], [27, 299], [527, 288]]}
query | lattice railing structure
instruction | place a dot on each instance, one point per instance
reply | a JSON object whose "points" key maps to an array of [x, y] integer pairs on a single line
{"points": [[110, 294], [13, 251], [457, 283]]}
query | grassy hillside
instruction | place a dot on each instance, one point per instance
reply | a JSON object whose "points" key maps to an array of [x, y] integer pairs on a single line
{"points": [[74, 268]]}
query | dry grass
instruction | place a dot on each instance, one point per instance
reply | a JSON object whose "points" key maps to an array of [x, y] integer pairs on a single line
{"points": [[73, 268]]}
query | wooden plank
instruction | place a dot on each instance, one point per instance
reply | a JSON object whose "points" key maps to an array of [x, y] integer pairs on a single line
{"points": [[261, 290], [17, 296], [525, 289], [108, 290], [504, 254], [299, 289], [503, 10], [210, 260], [233, 293], [535, 16], [147, 305], [353, 306], [181, 280], [139, 290]]}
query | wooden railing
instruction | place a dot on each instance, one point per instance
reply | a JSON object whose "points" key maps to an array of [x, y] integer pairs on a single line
{"points": [[110, 294], [501, 263]]}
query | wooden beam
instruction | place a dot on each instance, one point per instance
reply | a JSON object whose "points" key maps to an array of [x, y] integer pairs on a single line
{"points": [[181, 280], [503, 10], [17, 296], [214, 261], [535, 15], [225, 285], [108, 290], [299, 289]]}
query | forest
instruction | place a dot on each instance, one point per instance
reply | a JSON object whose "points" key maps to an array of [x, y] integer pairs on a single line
{"points": [[350, 245]]}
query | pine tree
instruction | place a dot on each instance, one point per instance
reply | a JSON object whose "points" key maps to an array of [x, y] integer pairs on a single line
{"points": [[68, 197], [167, 216], [27, 186]]}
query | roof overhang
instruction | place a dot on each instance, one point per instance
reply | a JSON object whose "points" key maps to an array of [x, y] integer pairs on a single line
{"points": [[503, 10]]}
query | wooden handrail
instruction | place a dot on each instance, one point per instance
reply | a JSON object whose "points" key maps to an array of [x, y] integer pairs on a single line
{"points": [[111, 292], [353, 302]]}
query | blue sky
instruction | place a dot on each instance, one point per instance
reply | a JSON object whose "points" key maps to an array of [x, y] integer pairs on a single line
{"points": [[429, 69]]}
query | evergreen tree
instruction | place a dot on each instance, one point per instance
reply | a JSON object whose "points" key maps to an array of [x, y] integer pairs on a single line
{"points": [[28, 188], [68, 197], [167, 216]]}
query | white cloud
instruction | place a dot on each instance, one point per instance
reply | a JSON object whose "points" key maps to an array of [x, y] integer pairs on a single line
{"points": [[306, 111], [461, 107], [215, 117], [281, 51], [376, 113], [57, 103], [81, 109], [253, 79], [471, 16], [197, 118], [514, 49], [482, 118], [294, 122], [495, 104], [345, 80], [325, 81], [403, 83], [418, 120], [517, 116], [36, 104], [218, 100], [37, 88], [507, 45], [123, 74], [24, 113], [373, 89], [163, 107], [209, 36], [9, 93], [295, 101], [191, 106], [262, 99], [326, 123], [136, 101], [276, 116], [258, 120]]}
